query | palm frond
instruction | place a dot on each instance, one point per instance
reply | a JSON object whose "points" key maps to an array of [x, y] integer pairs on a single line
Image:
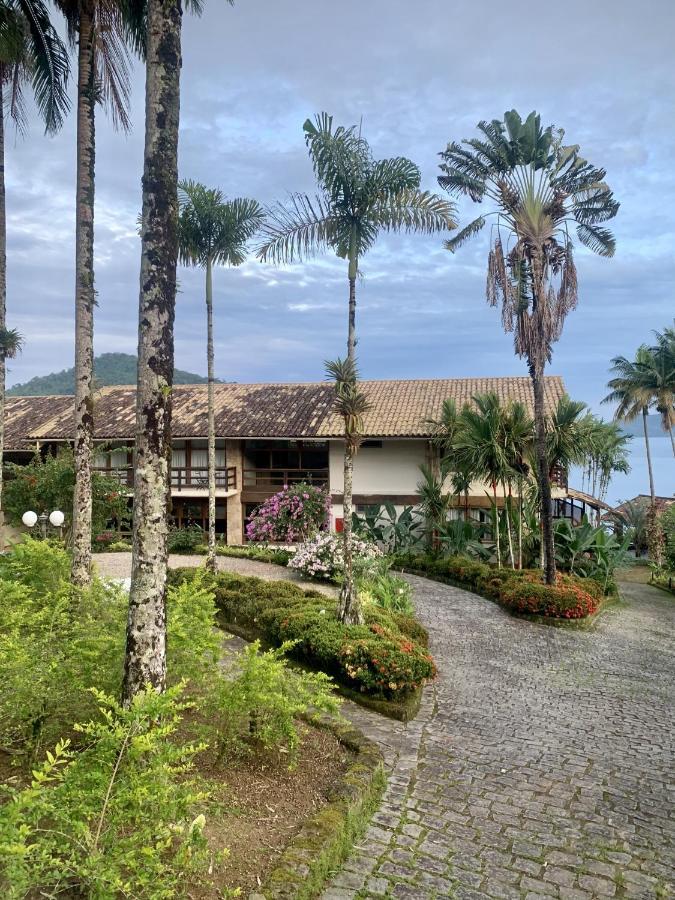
{"points": [[11, 343], [297, 229], [415, 211], [599, 240], [464, 235], [48, 63]]}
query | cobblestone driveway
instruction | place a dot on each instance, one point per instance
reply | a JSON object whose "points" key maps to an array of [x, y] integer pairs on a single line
{"points": [[541, 764]]}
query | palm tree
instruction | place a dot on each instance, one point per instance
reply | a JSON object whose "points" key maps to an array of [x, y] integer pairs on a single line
{"points": [[213, 231], [633, 396], [351, 404], [101, 30], [31, 53], [360, 197], [434, 501], [480, 449], [661, 374], [518, 431], [539, 189]]}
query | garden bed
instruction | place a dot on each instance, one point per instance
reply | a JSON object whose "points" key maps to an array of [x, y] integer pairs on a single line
{"points": [[382, 664], [572, 601]]}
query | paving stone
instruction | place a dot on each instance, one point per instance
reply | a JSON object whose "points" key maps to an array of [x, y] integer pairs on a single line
{"points": [[539, 761]]}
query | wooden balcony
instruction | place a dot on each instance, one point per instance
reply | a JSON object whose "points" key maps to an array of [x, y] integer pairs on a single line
{"points": [[183, 478], [276, 479]]}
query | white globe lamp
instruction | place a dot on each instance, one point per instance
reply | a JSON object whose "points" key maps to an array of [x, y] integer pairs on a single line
{"points": [[56, 518], [29, 518]]}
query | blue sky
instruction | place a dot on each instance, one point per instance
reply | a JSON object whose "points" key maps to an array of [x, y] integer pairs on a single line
{"points": [[418, 75]]}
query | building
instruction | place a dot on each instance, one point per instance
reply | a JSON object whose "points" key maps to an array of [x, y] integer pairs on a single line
{"points": [[270, 435]]}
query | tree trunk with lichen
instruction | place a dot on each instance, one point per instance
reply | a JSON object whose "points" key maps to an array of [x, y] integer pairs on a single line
{"points": [[145, 658], [84, 302], [211, 556], [3, 301], [546, 512]]}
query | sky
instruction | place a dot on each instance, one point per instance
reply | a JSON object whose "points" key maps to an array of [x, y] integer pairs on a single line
{"points": [[417, 75]]}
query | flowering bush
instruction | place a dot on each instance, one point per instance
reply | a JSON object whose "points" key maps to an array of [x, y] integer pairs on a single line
{"points": [[323, 557], [296, 513], [566, 600]]}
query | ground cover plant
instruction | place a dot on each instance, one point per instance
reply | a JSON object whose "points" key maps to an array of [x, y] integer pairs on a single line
{"points": [[104, 800], [386, 657]]}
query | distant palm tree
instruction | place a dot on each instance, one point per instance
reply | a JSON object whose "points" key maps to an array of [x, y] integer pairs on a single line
{"points": [[633, 395], [213, 231], [31, 53], [661, 374], [360, 197], [102, 31], [538, 189], [351, 405]]}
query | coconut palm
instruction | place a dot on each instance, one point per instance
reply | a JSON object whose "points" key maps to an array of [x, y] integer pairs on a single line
{"points": [[633, 397], [360, 197], [31, 56], [539, 190], [660, 373], [212, 232], [145, 656], [351, 404], [101, 31]]}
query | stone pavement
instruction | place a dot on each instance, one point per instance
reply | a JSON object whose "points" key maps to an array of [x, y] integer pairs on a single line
{"points": [[540, 765]]}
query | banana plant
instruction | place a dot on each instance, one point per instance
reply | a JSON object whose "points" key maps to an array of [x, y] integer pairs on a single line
{"points": [[394, 532]]}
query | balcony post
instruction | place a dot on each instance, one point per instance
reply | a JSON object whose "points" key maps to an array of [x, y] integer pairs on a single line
{"points": [[234, 457]]}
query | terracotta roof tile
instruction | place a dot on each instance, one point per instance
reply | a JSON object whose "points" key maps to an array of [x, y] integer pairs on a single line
{"points": [[399, 409]]}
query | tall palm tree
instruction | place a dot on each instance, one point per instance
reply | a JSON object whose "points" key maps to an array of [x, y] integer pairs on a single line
{"points": [[101, 31], [360, 197], [518, 431], [660, 374], [351, 404], [539, 189], [633, 396], [31, 54], [145, 656], [213, 231]]}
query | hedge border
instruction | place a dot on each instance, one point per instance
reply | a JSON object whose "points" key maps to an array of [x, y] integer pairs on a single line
{"points": [[326, 838], [551, 621], [400, 710]]}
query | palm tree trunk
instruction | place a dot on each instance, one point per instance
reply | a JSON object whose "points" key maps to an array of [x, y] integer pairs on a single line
{"points": [[546, 513], [145, 658], [498, 542], [520, 522], [84, 302], [349, 610], [211, 557], [507, 513], [3, 303], [645, 428]]}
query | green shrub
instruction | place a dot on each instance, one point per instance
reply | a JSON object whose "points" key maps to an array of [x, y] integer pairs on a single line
{"points": [[118, 818], [260, 704], [184, 540], [281, 611], [275, 555], [120, 546], [563, 600], [385, 589]]}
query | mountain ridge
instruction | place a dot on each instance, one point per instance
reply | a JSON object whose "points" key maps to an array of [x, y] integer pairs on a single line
{"points": [[109, 369]]}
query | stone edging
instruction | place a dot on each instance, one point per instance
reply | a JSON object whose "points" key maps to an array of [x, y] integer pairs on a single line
{"points": [[327, 837]]}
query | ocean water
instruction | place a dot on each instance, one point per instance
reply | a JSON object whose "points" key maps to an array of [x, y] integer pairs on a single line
{"points": [[625, 487]]}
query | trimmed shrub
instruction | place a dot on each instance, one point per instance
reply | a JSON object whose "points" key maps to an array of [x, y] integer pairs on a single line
{"points": [[560, 601], [184, 540], [296, 513], [390, 649]]}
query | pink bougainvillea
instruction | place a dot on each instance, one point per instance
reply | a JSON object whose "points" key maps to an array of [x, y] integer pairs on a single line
{"points": [[295, 514]]}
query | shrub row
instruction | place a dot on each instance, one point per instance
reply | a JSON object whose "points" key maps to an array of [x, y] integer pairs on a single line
{"points": [[521, 591], [386, 657]]}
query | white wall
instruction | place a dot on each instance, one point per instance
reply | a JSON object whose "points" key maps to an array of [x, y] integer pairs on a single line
{"points": [[391, 469]]}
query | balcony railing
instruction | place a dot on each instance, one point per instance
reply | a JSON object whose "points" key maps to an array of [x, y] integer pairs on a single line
{"points": [[182, 477], [264, 479]]}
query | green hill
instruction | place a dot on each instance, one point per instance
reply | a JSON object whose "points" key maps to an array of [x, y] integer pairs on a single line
{"points": [[109, 368]]}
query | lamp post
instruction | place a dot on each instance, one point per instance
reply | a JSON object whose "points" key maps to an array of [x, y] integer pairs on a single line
{"points": [[55, 519]]}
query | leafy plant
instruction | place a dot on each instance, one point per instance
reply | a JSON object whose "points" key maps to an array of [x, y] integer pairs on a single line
{"points": [[323, 557], [119, 817], [393, 532], [260, 703], [184, 540], [459, 536]]}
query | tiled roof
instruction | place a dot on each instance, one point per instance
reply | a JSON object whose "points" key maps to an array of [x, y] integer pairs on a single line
{"points": [[399, 409]]}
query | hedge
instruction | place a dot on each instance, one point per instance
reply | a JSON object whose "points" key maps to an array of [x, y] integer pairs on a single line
{"points": [[387, 657], [521, 591]]}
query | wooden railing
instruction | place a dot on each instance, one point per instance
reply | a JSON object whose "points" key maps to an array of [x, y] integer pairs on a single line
{"points": [[265, 479], [182, 477]]}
